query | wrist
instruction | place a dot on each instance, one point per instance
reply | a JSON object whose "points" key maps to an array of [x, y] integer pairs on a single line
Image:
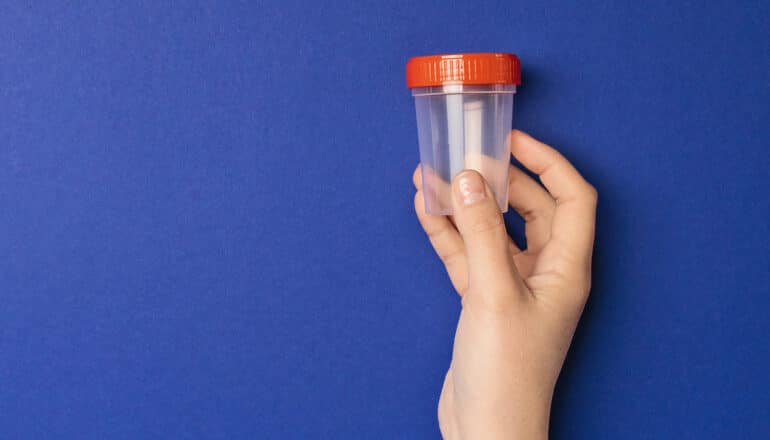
{"points": [[531, 424]]}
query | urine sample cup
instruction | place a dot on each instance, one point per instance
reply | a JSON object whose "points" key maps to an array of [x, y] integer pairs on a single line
{"points": [[464, 105]]}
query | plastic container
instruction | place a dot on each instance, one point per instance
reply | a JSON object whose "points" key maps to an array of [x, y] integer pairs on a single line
{"points": [[464, 106]]}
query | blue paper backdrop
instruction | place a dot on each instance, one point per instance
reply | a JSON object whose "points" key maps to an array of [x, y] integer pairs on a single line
{"points": [[206, 225]]}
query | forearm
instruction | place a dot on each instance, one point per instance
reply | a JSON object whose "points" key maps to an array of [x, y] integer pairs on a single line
{"points": [[529, 424]]}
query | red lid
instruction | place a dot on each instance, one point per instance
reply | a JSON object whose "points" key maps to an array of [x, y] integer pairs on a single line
{"points": [[463, 68]]}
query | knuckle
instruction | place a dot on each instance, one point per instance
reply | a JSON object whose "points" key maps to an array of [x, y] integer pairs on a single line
{"points": [[450, 258], [486, 223], [435, 234], [582, 286], [462, 288], [418, 201], [570, 285], [593, 192], [529, 214], [590, 193], [416, 176], [578, 285]]}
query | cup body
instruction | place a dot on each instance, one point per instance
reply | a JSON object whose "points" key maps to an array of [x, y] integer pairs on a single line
{"points": [[463, 127]]}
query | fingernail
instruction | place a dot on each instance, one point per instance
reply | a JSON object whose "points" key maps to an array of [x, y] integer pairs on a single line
{"points": [[471, 188]]}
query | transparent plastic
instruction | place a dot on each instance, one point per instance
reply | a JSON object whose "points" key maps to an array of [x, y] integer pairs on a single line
{"points": [[463, 127]]}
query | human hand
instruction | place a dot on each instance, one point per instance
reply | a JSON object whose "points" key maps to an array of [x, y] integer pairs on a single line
{"points": [[519, 307]]}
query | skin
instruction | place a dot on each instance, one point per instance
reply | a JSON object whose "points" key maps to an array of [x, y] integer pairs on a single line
{"points": [[519, 307]]}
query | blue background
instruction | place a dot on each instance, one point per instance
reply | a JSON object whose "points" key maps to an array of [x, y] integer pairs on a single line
{"points": [[206, 224]]}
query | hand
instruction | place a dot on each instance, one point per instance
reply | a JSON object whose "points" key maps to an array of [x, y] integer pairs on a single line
{"points": [[519, 307]]}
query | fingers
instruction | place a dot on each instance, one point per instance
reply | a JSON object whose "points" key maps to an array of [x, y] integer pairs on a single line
{"points": [[533, 203], [444, 237], [481, 226], [575, 211], [417, 177]]}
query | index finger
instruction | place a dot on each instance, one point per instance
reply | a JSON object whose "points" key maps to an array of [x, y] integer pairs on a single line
{"points": [[575, 214]]}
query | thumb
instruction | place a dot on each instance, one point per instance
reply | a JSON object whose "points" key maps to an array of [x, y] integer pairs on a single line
{"points": [[480, 223]]}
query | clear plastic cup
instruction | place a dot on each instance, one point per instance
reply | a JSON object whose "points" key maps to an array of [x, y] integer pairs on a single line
{"points": [[464, 107]]}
